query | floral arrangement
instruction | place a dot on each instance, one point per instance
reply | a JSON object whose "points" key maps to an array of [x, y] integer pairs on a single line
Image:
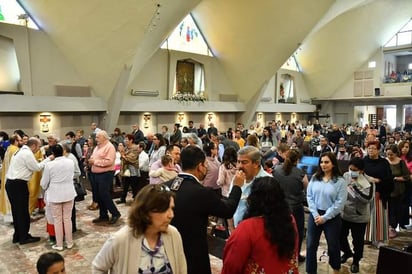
{"points": [[188, 97]]}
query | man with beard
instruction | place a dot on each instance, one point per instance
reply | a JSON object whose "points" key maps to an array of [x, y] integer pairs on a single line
{"points": [[194, 203]]}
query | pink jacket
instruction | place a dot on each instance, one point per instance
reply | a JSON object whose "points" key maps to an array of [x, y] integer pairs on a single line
{"points": [[104, 156]]}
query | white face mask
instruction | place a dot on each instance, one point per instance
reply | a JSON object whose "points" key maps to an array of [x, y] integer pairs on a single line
{"points": [[354, 174]]}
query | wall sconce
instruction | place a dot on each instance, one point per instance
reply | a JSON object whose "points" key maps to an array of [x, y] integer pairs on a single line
{"points": [[45, 119], [180, 117], [278, 116], [210, 116], [146, 117], [293, 116], [259, 116]]}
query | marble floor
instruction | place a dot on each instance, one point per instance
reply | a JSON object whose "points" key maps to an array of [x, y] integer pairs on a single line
{"points": [[15, 258]]}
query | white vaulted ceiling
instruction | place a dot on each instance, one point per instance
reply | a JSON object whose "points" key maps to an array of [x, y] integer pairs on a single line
{"points": [[251, 39]]}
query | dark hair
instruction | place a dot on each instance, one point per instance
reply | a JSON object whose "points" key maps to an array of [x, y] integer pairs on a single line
{"points": [[264, 137], [267, 199], [161, 140], [335, 170], [408, 156], [19, 132], [46, 260], [151, 198], [229, 157], [291, 160], [394, 148], [207, 148], [376, 143], [4, 135], [268, 163], [170, 148], [130, 137], [71, 134], [191, 157], [57, 150], [357, 162], [142, 145]]}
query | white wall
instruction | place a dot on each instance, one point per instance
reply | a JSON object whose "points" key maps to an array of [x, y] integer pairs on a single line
{"points": [[41, 64], [9, 70], [157, 72]]}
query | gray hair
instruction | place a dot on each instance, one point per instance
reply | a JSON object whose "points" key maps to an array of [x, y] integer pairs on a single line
{"points": [[104, 134], [253, 153], [33, 141]]}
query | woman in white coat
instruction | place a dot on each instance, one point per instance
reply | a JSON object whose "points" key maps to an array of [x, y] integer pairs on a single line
{"points": [[57, 181]]}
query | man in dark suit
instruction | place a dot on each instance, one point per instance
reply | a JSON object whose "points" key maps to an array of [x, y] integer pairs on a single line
{"points": [[176, 137], [212, 130], [202, 133], [194, 203], [138, 134], [381, 132]]}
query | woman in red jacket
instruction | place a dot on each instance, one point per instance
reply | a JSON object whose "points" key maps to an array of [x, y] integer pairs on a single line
{"points": [[266, 241]]}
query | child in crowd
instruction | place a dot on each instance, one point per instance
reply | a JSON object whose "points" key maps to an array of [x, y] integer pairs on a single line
{"points": [[268, 165], [168, 170], [50, 262]]}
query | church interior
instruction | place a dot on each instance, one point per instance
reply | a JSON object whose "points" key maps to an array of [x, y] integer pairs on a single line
{"points": [[66, 64]]}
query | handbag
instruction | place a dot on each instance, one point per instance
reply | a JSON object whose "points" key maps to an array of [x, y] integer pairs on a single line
{"points": [[80, 191], [126, 173]]}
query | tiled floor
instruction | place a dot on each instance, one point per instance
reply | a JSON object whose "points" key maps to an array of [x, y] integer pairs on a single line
{"points": [[88, 240]]}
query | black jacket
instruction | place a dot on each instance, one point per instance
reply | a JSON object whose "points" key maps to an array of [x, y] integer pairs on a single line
{"points": [[193, 204]]}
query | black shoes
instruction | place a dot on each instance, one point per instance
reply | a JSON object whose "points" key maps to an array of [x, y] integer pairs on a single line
{"points": [[345, 257], [114, 219], [30, 239], [118, 202], [100, 220], [354, 268], [301, 258]]}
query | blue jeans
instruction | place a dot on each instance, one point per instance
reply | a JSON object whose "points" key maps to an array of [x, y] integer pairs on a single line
{"points": [[332, 231], [104, 183]]}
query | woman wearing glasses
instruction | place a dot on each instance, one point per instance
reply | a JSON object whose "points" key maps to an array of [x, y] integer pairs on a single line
{"points": [[379, 170], [149, 244]]}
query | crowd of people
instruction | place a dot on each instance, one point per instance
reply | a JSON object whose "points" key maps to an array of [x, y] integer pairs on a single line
{"points": [[248, 177]]}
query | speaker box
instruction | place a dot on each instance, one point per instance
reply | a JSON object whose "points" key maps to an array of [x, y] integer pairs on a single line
{"points": [[377, 92]]}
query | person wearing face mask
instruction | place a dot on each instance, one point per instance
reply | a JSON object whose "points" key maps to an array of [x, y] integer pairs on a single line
{"points": [[193, 205], [356, 212]]}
